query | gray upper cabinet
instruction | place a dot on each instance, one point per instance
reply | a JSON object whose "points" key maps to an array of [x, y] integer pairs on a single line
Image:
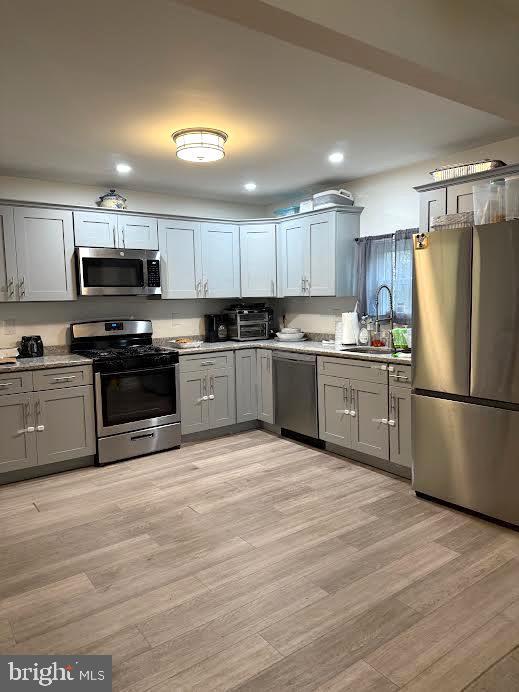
{"points": [[265, 386], [180, 245], [334, 410], [246, 385], [17, 432], [321, 231], [137, 232], [459, 198], [101, 229], [95, 229], [65, 426], [220, 260], [368, 418], [44, 253], [400, 436], [258, 260], [316, 253], [8, 269], [293, 257], [432, 203]]}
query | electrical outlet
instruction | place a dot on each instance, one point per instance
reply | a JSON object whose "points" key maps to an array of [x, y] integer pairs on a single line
{"points": [[9, 327]]}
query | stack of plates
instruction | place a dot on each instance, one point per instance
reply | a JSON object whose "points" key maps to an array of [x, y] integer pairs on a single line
{"points": [[290, 334]]}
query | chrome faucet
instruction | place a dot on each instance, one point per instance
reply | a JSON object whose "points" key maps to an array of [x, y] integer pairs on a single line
{"points": [[391, 314]]}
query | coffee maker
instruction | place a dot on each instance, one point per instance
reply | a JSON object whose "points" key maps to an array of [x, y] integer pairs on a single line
{"points": [[215, 328]]}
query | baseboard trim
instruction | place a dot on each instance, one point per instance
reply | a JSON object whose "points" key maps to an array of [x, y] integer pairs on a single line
{"points": [[368, 460], [46, 470], [221, 432]]}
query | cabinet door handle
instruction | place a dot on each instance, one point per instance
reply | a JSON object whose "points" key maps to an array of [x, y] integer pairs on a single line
{"points": [[10, 288], [400, 377], [198, 287], [344, 411], [391, 422], [211, 388], [384, 368], [67, 378], [207, 362], [6, 384], [206, 288], [26, 416], [302, 284], [381, 421], [353, 412], [21, 287], [37, 413]]}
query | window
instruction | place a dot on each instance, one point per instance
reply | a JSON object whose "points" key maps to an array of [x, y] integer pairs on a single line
{"points": [[386, 259]]}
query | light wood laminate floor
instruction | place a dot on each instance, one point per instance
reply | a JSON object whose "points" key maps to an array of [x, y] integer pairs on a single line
{"points": [[255, 563]]}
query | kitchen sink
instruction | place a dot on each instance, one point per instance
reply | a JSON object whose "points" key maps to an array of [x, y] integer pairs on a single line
{"points": [[367, 349]]}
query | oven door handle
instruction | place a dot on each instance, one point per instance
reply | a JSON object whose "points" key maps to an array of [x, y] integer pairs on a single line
{"points": [[141, 371]]}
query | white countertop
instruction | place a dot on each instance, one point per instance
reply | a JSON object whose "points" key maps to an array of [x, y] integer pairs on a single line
{"points": [[315, 347], [56, 361]]}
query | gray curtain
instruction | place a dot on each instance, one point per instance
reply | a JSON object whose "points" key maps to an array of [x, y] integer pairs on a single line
{"points": [[385, 259], [403, 276], [374, 266]]}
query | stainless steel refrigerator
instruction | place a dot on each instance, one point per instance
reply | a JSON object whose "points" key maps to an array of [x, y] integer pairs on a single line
{"points": [[465, 401]]}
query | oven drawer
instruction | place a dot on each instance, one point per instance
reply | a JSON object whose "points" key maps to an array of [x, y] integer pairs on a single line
{"points": [[15, 382], [57, 378], [217, 359], [137, 443]]}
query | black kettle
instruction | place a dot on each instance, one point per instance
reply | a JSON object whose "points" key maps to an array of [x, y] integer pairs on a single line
{"points": [[31, 347]]}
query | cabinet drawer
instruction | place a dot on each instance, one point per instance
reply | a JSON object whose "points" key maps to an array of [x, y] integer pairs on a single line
{"points": [[15, 382], [400, 375], [205, 361], [352, 369], [56, 378]]}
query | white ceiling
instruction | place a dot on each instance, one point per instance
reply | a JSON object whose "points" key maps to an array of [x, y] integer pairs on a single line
{"points": [[86, 84]]}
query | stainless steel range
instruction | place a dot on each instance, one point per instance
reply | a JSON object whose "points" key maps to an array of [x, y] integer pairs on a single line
{"points": [[137, 389]]}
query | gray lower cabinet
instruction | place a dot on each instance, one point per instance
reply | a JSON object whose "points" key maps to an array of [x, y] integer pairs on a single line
{"points": [[207, 393], [65, 424], [246, 385], [265, 386], [400, 440], [334, 410], [18, 441], [194, 402], [47, 426], [368, 417], [222, 397]]}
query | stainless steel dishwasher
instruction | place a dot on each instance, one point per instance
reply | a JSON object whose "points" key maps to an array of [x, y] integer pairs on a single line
{"points": [[295, 383]]}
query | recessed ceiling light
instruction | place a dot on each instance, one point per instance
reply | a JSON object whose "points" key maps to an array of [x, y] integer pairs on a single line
{"points": [[200, 144], [123, 168], [336, 157], [250, 187]]}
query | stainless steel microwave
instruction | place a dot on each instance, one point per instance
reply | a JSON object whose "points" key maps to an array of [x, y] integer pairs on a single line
{"points": [[118, 272]]}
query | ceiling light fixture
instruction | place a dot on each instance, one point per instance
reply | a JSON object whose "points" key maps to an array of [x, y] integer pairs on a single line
{"points": [[200, 144], [336, 157], [123, 168], [250, 187]]}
